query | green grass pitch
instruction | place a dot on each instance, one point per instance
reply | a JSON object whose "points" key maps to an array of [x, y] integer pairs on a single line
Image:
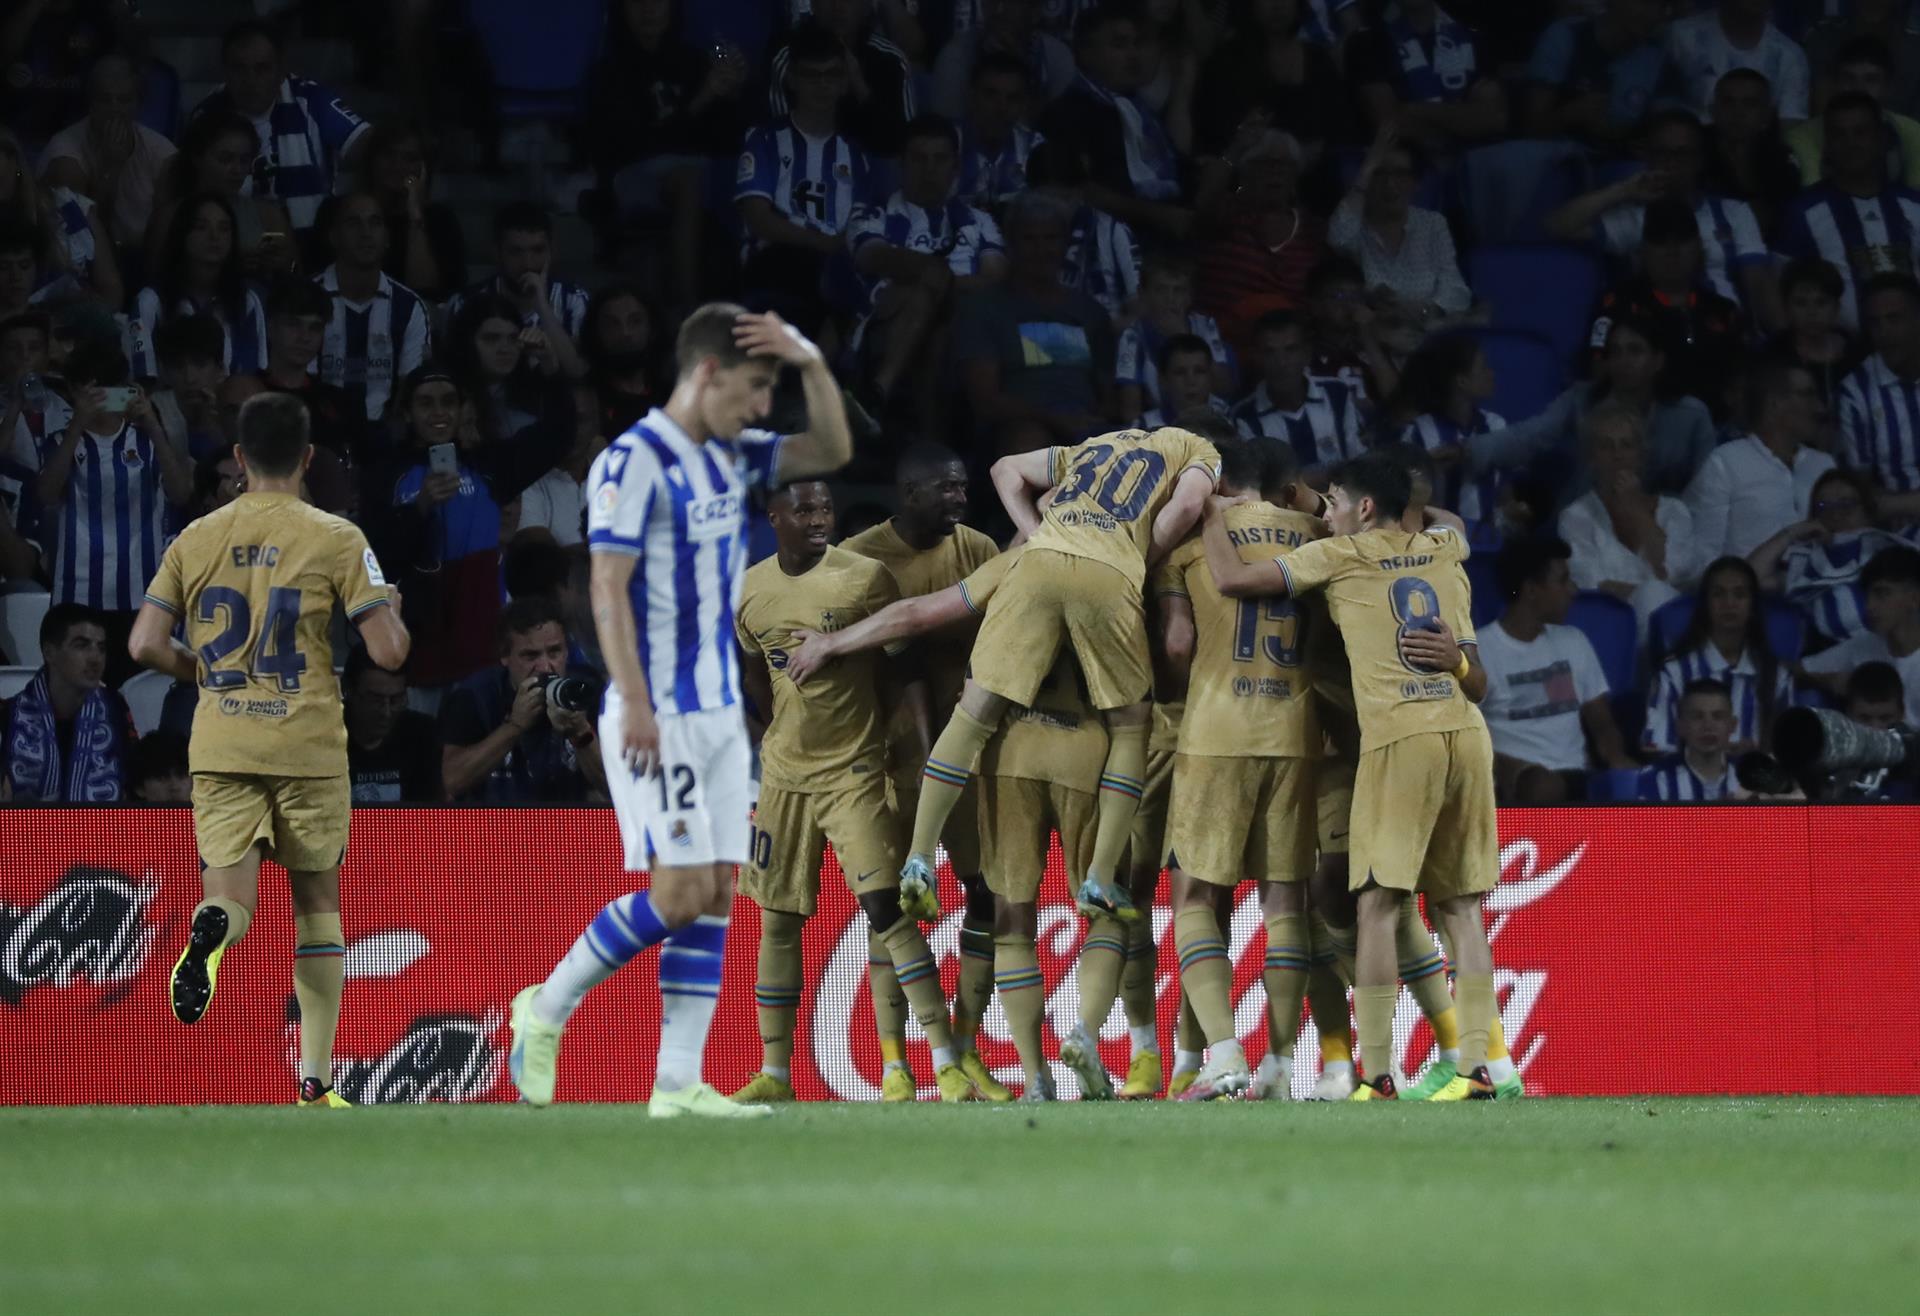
{"points": [[1584, 1206]]}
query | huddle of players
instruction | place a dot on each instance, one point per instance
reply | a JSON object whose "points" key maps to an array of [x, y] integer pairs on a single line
{"points": [[1247, 767]]}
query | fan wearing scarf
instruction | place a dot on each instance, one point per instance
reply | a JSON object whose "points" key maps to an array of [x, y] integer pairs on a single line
{"points": [[66, 734], [256, 583]]}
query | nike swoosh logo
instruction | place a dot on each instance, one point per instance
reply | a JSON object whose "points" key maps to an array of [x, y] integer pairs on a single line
{"points": [[1336, 836], [864, 876]]}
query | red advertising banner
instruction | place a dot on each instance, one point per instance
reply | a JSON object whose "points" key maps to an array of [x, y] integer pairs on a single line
{"points": [[1678, 950]]}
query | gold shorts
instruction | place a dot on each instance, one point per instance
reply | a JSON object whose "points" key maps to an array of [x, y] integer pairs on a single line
{"points": [[1238, 818], [961, 835], [1333, 792], [1148, 842], [791, 830], [1018, 817], [1423, 816], [303, 820], [1048, 598]]}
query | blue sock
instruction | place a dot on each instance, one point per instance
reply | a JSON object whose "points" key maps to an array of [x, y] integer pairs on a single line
{"points": [[620, 931], [690, 967]]}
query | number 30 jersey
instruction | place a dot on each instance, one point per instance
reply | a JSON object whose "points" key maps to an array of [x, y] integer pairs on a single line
{"points": [[256, 584], [1108, 490], [1381, 584]]}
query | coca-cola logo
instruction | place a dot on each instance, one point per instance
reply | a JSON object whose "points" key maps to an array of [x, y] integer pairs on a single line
{"points": [[448, 1057], [91, 927]]}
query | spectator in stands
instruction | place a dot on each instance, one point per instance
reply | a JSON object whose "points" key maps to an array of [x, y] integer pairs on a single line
{"points": [[512, 379], [1627, 541], [1424, 73], [523, 265], [48, 48], [797, 183], [1103, 256], [377, 330], [557, 501], [199, 272], [623, 358], [1134, 170], [217, 155], [65, 737], [1166, 312], [157, 769], [1439, 408], [1266, 70], [1546, 704], [1874, 698], [1725, 641], [997, 136], [35, 412], [1747, 157], [1753, 487], [1817, 562], [1035, 357], [1318, 416], [1347, 332], [20, 288], [1007, 32], [393, 753], [105, 485], [1701, 770], [1862, 66], [1879, 406], [1855, 219], [73, 234], [1887, 23], [876, 100], [1891, 583], [307, 133], [217, 480], [660, 112], [1185, 383], [914, 254], [504, 742], [1170, 46], [1736, 254], [297, 314], [1257, 255], [108, 155], [535, 567], [426, 251], [1593, 79], [1701, 48], [1405, 251], [190, 351], [1810, 292]]}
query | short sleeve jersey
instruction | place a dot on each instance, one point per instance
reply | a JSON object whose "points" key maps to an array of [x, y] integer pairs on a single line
{"points": [[256, 584], [824, 733], [1380, 584], [1248, 686], [928, 571], [1110, 488]]}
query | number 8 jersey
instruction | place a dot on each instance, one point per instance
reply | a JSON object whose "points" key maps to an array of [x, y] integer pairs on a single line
{"points": [[1380, 584], [1109, 489], [256, 583]]}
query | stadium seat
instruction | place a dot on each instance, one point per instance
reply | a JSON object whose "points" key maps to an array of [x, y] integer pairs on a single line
{"points": [[1484, 577], [1528, 371], [1608, 624], [1786, 628], [539, 54], [145, 693], [1613, 785], [20, 617], [1544, 288], [1509, 188], [14, 679]]}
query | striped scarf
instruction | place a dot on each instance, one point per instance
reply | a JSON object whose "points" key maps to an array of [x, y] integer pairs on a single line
{"points": [[33, 749]]}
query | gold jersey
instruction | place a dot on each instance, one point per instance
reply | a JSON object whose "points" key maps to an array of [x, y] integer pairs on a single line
{"points": [[255, 584], [1060, 737], [1381, 584], [1108, 490], [1249, 688], [1165, 736], [830, 729]]}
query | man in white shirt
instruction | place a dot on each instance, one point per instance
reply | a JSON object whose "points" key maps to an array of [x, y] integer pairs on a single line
{"points": [[1546, 701], [1748, 490], [1736, 34], [1891, 583]]}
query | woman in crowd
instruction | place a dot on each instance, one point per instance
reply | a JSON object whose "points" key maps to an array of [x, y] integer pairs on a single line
{"points": [[1816, 563], [74, 237], [1403, 249], [427, 250], [200, 270], [217, 155], [510, 376], [1725, 641]]}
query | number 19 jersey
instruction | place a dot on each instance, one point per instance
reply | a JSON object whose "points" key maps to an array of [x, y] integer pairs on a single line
{"points": [[1108, 491], [255, 584]]}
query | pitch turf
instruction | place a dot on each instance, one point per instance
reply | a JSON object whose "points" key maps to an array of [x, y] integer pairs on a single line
{"points": [[1695, 1205]]}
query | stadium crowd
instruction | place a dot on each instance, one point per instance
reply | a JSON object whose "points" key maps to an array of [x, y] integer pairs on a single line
{"points": [[1635, 280]]}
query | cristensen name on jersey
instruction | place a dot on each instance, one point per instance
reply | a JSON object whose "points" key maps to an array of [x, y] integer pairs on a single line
{"points": [[1265, 534]]}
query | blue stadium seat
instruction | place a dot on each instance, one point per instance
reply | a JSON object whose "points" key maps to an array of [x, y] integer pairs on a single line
{"points": [[1483, 575], [1544, 288], [1613, 785], [539, 54], [1786, 628], [1608, 623], [1509, 188], [159, 97], [1528, 371]]}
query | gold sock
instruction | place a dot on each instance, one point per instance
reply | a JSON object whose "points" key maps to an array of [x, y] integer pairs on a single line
{"points": [[889, 1002], [1473, 995], [1016, 976], [950, 766], [1373, 1015], [239, 917], [974, 991], [1122, 780], [1327, 998], [319, 976], [1496, 1036], [776, 986], [1424, 970], [1206, 974], [1137, 979], [1285, 975], [1102, 955], [919, 976]]}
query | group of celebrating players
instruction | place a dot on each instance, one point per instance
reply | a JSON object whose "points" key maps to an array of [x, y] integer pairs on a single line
{"points": [[1188, 659]]}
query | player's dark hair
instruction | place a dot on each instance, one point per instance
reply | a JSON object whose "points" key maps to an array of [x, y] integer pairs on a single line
{"points": [[1240, 465], [1706, 685], [933, 127], [1851, 102], [246, 30], [96, 363], [1177, 344], [1208, 424], [291, 296], [1416, 460], [1279, 466], [61, 618], [521, 217], [1891, 281], [1524, 561], [1898, 565], [1000, 62], [1381, 478], [524, 615], [534, 566], [1811, 272], [924, 459], [274, 432], [1668, 223], [812, 42], [783, 492], [708, 332], [1334, 272], [189, 338], [1876, 683], [153, 756], [359, 663]]}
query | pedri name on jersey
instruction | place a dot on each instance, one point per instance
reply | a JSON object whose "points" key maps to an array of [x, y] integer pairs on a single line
{"points": [[1404, 563]]}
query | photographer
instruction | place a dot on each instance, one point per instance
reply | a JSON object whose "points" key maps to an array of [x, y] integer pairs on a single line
{"points": [[506, 741]]}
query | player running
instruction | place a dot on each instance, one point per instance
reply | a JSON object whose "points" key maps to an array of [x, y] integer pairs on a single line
{"points": [[255, 584], [667, 532]]}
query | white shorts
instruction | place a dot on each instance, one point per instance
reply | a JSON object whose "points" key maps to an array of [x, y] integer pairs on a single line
{"points": [[693, 808]]}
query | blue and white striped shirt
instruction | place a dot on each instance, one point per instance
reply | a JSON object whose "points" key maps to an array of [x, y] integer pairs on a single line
{"points": [[1859, 236], [303, 138], [1324, 430], [954, 230], [76, 234], [1137, 359], [246, 342], [1823, 580], [987, 180], [814, 181], [679, 508], [112, 523], [1103, 259], [371, 346], [1473, 497], [569, 302], [1741, 678], [1880, 425], [1729, 235], [1675, 782]]}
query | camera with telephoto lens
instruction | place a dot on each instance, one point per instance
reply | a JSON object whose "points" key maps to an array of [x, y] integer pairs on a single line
{"points": [[1822, 750], [570, 694]]}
